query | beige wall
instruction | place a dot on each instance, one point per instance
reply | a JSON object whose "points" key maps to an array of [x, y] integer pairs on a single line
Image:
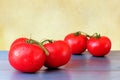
{"points": [[55, 18]]}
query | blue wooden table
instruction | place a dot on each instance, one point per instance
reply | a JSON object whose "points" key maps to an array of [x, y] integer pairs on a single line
{"points": [[80, 67]]}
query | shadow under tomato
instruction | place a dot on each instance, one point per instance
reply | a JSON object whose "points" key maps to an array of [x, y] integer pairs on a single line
{"points": [[44, 74], [76, 62], [16, 75], [56, 74], [99, 62]]}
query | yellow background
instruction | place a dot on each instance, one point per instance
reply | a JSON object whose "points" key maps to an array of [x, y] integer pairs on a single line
{"points": [[53, 19]]}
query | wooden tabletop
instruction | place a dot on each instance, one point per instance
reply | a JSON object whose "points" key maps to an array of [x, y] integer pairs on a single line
{"points": [[80, 67]]}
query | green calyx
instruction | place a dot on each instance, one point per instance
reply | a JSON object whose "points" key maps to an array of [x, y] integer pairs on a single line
{"points": [[81, 33], [31, 41], [77, 33], [96, 35]]}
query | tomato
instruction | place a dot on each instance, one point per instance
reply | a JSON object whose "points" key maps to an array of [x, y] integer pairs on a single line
{"points": [[77, 42], [99, 46], [59, 54], [18, 41], [26, 57]]}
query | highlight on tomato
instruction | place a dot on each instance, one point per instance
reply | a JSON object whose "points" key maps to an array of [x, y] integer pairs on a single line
{"points": [[19, 41]]}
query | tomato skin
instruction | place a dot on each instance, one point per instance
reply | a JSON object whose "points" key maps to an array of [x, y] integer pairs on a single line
{"points": [[77, 43], [18, 41], [26, 57], [99, 46], [59, 54]]}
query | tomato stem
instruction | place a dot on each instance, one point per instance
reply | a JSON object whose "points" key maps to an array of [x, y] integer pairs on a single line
{"points": [[87, 35], [77, 33], [80, 32], [31, 41], [47, 40], [45, 50], [96, 35]]}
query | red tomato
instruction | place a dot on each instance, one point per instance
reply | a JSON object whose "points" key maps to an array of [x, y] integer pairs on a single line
{"points": [[77, 42], [26, 57], [18, 41], [99, 46], [59, 54]]}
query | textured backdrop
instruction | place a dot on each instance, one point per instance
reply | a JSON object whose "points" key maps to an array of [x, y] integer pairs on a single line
{"points": [[55, 18]]}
